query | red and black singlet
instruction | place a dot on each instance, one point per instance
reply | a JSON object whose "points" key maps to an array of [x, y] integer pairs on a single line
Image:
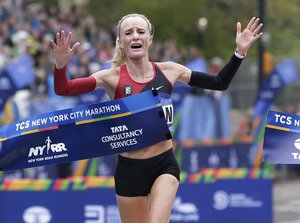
{"points": [[127, 86]]}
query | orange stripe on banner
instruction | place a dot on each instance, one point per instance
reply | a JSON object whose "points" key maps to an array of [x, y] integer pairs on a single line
{"points": [[29, 132], [103, 118], [84, 121], [81, 167], [48, 128], [278, 127], [20, 184], [121, 115]]}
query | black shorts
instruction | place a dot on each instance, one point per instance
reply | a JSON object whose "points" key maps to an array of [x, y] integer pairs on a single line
{"points": [[135, 177]]}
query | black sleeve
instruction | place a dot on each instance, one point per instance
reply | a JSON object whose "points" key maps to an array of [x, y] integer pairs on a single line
{"points": [[219, 82]]}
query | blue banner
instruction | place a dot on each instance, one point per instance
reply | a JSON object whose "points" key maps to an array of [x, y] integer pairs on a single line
{"points": [[3, 99], [7, 89], [244, 201], [93, 205], [198, 64], [282, 138], [83, 132], [21, 71], [287, 70], [235, 201], [283, 74], [233, 155], [92, 97]]}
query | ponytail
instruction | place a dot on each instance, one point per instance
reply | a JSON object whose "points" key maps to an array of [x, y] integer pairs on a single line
{"points": [[119, 56]]}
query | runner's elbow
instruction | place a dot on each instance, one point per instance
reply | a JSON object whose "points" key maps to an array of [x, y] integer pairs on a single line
{"points": [[61, 92]]}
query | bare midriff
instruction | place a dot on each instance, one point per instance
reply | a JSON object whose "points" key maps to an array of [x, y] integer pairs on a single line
{"points": [[149, 151]]}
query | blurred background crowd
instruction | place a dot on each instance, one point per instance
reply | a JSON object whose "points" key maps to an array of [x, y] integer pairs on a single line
{"points": [[27, 63]]}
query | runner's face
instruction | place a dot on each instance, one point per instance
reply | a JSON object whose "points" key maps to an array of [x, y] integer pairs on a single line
{"points": [[135, 37]]}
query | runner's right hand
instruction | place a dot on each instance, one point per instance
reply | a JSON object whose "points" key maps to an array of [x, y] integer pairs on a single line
{"points": [[62, 49]]}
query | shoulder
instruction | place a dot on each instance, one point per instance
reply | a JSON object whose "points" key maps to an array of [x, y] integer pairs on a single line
{"points": [[174, 71], [167, 65], [171, 66], [107, 77], [107, 73]]}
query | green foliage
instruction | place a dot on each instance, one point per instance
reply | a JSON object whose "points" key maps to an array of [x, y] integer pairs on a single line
{"points": [[172, 19], [177, 19], [106, 12], [283, 25], [46, 2]]}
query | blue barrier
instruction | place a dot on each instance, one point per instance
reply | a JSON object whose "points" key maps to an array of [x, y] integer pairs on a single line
{"points": [[93, 200], [233, 155]]}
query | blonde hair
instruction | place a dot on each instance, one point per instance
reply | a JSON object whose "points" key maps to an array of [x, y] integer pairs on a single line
{"points": [[119, 56]]}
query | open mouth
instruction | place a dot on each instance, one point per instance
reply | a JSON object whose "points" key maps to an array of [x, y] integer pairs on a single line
{"points": [[136, 46]]}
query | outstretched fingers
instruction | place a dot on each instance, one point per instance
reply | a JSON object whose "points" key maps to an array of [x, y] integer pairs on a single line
{"points": [[69, 38], [75, 46], [53, 44], [246, 37], [257, 36], [63, 37], [62, 48], [251, 23], [58, 39], [238, 27], [254, 25], [257, 29]]}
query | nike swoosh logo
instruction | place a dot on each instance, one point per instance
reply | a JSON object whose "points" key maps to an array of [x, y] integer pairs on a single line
{"points": [[157, 88]]}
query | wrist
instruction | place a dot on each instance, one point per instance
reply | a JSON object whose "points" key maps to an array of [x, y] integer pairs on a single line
{"points": [[60, 66], [239, 55]]}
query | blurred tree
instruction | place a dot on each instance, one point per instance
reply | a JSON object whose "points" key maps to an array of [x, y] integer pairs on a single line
{"points": [[176, 19], [47, 2], [106, 12], [172, 19], [283, 28]]}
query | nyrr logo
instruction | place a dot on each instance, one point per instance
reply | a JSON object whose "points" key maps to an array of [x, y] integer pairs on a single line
{"points": [[296, 156], [49, 146]]}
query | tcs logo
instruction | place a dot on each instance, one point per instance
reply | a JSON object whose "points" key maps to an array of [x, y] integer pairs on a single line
{"points": [[283, 119]]}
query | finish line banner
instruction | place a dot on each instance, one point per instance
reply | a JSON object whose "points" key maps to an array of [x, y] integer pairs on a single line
{"points": [[282, 138], [84, 132]]}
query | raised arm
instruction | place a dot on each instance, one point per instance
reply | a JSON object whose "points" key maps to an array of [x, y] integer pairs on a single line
{"points": [[62, 49], [63, 53], [244, 41]]}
